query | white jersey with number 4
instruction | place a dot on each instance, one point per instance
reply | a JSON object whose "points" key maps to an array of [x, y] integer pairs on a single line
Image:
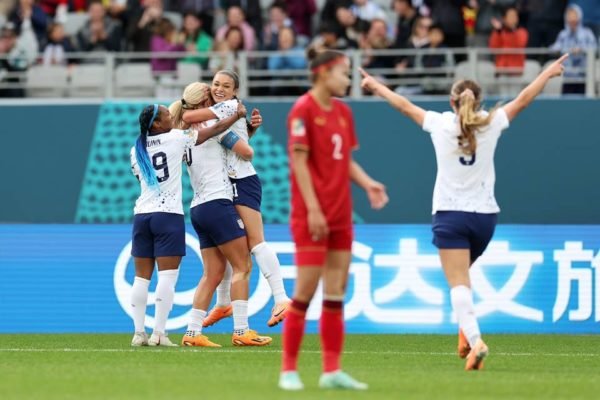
{"points": [[237, 167], [464, 182], [166, 151], [208, 170]]}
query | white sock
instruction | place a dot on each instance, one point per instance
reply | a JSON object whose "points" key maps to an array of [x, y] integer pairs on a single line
{"points": [[462, 303], [271, 269], [139, 300], [165, 292], [224, 288], [196, 320], [240, 316]]}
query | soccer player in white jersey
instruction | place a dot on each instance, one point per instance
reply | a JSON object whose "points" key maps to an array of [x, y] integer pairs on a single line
{"points": [[464, 207], [247, 195], [220, 230], [158, 228]]}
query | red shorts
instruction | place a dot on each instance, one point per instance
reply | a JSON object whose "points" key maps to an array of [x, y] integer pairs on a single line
{"points": [[314, 253]]}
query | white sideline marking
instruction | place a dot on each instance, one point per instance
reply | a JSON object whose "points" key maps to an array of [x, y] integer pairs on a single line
{"points": [[216, 351]]}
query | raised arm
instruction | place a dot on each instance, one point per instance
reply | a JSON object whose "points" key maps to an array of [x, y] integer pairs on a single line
{"points": [[375, 190], [397, 101], [222, 125], [527, 95], [197, 116]]}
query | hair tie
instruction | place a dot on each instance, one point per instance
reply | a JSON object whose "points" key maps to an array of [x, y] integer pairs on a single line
{"points": [[335, 61], [183, 103], [467, 93]]}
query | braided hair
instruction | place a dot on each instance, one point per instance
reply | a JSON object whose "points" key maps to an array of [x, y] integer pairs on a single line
{"points": [[147, 117]]}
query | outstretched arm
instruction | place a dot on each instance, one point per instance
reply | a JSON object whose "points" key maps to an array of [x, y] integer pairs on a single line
{"points": [[527, 95], [375, 190], [206, 133], [397, 101], [197, 116]]}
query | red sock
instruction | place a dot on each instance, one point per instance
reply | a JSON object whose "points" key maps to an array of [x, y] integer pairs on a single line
{"points": [[293, 332], [332, 334]]}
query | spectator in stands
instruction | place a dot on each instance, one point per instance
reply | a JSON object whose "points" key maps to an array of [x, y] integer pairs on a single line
{"points": [[301, 13], [407, 15], [195, 38], [278, 19], [252, 13], [204, 9], [436, 56], [55, 9], [350, 28], [329, 38], [508, 35], [20, 47], [575, 39], [143, 23], [118, 10], [376, 39], [487, 10], [419, 39], [237, 19], [293, 58], [545, 21], [367, 10], [165, 40], [28, 9], [591, 14], [57, 46], [101, 33], [228, 50], [329, 10], [6, 7], [448, 14]]}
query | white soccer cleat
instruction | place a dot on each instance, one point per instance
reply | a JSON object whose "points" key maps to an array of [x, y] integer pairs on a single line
{"points": [[340, 380], [160, 339], [290, 381], [139, 339]]}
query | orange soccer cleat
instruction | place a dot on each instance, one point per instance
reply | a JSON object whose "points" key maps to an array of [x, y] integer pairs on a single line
{"points": [[278, 313], [217, 314], [476, 356], [250, 338], [463, 345], [198, 341]]}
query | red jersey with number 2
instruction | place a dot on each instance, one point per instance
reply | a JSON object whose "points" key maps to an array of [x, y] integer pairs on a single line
{"points": [[329, 137]]}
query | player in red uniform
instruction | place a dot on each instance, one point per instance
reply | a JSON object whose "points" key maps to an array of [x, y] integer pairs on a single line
{"points": [[321, 140]]}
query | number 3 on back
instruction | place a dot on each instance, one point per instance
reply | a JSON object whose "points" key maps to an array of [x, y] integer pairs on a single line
{"points": [[468, 161], [337, 141]]}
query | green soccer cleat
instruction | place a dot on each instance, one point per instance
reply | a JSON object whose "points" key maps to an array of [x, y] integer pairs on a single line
{"points": [[290, 381], [340, 380]]}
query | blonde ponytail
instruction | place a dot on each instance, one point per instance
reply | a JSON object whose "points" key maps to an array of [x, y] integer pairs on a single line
{"points": [[466, 95], [195, 95]]}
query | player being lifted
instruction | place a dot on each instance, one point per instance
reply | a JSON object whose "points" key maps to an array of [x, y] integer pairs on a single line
{"points": [[247, 194], [464, 206], [321, 138], [158, 226]]}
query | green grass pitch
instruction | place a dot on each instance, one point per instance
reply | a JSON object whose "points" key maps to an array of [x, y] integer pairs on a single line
{"points": [[395, 366]]}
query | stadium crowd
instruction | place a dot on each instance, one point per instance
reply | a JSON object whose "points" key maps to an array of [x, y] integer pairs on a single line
{"points": [[33, 27]]}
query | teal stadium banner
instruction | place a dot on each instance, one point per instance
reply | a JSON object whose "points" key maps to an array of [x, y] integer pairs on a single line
{"points": [[70, 163]]}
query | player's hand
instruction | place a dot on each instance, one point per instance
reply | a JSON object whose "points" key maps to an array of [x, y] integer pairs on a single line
{"points": [[368, 83], [241, 110], [377, 195], [255, 119], [317, 225], [557, 68]]}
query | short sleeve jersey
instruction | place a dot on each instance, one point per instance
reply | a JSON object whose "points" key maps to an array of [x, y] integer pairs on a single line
{"points": [[464, 182], [237, 167], [208, 172], [166, 151], [329, 137]]}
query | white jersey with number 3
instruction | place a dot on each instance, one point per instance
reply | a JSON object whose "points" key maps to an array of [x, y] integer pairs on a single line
{"points": [[464, 182], [208, 171], [237, 167], [166, 152]]}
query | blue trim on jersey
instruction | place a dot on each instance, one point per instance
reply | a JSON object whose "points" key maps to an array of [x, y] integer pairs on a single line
{"points": [[229, 140], [142, 157]]}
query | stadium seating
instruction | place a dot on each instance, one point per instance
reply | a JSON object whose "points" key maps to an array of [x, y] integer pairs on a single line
{"points": [[88, 81], [75, 21], [46, 81], [134, 80]]}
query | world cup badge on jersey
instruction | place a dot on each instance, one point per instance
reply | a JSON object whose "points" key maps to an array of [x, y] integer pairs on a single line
{"points": [[321, 121], [240, 223], [298, 128]]}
